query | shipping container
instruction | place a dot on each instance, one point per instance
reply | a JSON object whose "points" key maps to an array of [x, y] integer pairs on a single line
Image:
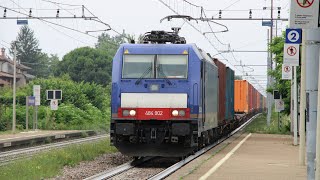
{"points": [[241, 98], [258, 101], [222, 90], [229, 114], [250, 97]]}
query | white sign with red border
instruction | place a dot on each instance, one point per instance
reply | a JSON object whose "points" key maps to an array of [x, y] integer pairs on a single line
{"points": [[304, 14], [279, 105], [36, 94], [291, 54], [286, 72], [54, 104]]}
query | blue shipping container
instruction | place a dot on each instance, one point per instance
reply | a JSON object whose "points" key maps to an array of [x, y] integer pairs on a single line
{"points": [[229, 113]]}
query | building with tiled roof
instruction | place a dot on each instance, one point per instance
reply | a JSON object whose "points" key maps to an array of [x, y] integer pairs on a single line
{"points": [[6, 71]]}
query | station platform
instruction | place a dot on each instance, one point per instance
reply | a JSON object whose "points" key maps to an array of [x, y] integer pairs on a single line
{"points": [[248, 157], [38, 137]]}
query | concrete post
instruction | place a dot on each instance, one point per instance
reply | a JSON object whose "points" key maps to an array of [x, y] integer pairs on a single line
{"points": [[302, 132], [312, 69], [269, 95], [317, 174], [295, 107], [14, 90]]}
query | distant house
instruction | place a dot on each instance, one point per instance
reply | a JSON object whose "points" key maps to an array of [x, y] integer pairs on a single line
{"points": [[6, 71]]}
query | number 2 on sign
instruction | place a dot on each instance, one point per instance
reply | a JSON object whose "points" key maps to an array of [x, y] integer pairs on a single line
{"points": [[294, 35]]}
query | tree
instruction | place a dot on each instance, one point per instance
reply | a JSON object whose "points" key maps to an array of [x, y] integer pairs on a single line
{"points": [[109, 44], [88, 65], [28, 51], [284, 86]]}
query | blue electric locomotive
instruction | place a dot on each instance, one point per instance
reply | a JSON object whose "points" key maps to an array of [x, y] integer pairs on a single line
{"points": [[164, 98]]}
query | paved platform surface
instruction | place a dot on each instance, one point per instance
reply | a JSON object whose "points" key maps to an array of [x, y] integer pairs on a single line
{"points": [[259, 157], [21, 138]]}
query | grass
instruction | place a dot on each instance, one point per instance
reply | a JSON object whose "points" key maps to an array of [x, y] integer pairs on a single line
{"points": [[10, 132], [50, 164], [259, 125]]}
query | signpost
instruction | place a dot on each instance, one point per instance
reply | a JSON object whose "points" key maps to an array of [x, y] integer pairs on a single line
{"points": [[291, 54], [54, 96], [304, 14], [36, 94], [22, 22], [30, 101], [293, 36], [54, 104], [267, 23], [279, 106], [286, 72]]}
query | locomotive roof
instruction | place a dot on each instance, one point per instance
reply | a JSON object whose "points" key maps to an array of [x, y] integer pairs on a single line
{"points": [[166, 49]]}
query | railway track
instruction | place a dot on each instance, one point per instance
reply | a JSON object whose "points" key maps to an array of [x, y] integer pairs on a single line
{"points": [[10, 156], [112, 173]]}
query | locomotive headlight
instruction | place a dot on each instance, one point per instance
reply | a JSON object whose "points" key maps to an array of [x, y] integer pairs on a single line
{"points": [[125, 113], [182, 113], [175, 113], [154, 87], [132, 113]]}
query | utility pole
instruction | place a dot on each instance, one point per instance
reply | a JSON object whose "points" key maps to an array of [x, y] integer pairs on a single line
{"points": [[269, 97], [302, 132], [14, 89]]}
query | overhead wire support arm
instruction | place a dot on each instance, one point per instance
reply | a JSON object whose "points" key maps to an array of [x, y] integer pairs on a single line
{"points": [[246, 19], [189, 18], [48, 17]]}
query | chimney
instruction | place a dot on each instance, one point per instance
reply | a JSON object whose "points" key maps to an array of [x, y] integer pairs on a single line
{"points": [[3, 52]]}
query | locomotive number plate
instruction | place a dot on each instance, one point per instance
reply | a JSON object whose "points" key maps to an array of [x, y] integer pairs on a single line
{"points": [[153, 113]]}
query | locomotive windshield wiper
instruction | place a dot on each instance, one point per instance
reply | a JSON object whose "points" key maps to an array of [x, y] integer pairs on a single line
{"points": [[143, 75], [159, 68]]}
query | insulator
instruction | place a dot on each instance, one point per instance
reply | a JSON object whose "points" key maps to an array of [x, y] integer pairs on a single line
{"points": [[58, 11], [250, 14], [30, 13], [220, 13], [5, 13]]}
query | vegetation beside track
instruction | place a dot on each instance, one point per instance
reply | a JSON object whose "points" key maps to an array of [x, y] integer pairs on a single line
{"points": [[259, 125], [50, 164]]}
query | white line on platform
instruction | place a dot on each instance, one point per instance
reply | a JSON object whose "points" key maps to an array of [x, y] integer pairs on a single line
{"points": [[223, 160]]}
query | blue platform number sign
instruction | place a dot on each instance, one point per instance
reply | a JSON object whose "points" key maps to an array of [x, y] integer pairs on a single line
{"points": [[31, 101], [294, 36], [22, 22]]}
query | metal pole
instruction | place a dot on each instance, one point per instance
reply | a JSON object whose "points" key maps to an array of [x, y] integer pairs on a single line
{"points": [[14, 90], [295, 109], [278, 122], [312, 68], [302, 132], [317, 164], [36, 117], [269, 96], [27, 113]]}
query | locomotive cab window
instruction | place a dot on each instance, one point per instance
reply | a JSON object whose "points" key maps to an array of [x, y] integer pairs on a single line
{"points": [[155, 66], [172, 66], [138, 66]]}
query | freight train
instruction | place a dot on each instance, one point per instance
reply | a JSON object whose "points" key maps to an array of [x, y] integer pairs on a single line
{"points": [[170, 98]]}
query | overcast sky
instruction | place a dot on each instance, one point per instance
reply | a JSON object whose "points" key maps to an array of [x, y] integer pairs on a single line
{"points": [[139, 16]]}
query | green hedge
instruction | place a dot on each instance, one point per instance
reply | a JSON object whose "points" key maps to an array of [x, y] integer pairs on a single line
{"points": [[84, 105]]}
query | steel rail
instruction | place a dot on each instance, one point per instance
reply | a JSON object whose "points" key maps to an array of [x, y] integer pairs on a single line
{"points": [[178, 165], [119, 169]]}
